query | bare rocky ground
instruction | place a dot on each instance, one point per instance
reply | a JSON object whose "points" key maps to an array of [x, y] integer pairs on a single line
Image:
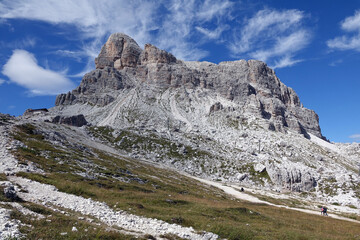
{"points": [[48, 195]]}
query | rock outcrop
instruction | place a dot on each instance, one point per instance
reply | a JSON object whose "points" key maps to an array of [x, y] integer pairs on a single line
{"points": [[97, 88], [76, 121], [119, 51], [10, 193], [291, 178], [30, 111]]}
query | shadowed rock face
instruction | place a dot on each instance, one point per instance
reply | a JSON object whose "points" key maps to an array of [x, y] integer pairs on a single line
{"points": [[76, 121], [250, 85]]}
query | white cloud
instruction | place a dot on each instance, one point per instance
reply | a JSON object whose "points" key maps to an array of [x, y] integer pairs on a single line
{"points": [[283, 46], [178, 26], [25, 42], [2, 81], [185, 19], [352, 23], [355, 136], [350, 40], [210, 9], [93, 18], [212, 34], [168, 24], [23, 69], [286, 61], [335, 63], [272, 35]]}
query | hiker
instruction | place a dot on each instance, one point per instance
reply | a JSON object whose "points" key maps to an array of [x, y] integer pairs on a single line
{"points": [[324, 211]]}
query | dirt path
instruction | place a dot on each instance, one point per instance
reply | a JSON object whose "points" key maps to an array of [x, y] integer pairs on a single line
{"points": [[243, 196]]}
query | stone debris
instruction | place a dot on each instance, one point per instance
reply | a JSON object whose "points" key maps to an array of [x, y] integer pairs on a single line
{"points": [[8, 226], [48, 195], [25, 210]]}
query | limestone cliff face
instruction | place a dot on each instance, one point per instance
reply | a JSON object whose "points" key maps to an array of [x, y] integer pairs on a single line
{"points": [[119, 51], [251, 86]]}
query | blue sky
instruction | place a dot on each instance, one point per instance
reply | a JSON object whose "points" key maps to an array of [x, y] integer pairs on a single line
{"points": [[46, 46]]}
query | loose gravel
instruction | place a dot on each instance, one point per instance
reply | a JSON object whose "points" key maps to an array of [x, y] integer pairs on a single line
{"points": [[48, 195]]}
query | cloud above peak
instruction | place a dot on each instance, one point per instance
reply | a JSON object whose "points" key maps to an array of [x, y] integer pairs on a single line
{"points": [[351, 39], [178, 26], [272, 36], [168, 24], [22, 68]]}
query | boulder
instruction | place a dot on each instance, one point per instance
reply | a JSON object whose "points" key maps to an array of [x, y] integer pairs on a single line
{"points": [[10, 193], [291, 177], [76, 121], [259, 167]]}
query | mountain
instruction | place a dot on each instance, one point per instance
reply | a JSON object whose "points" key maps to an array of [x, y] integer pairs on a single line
{"points": [[247, 88], [232, 121], [149, 146]]}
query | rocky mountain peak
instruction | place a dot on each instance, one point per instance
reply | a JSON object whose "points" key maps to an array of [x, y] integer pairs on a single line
{"points": [[152, 54], [246, 88], [119, 51]]}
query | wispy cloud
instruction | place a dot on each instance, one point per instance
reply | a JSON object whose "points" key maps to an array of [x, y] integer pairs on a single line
{"points": [[2, 81], [185, 19], [19, 43], [335, 63], [286, 61], [351, 39], [94, 20], [141, 19], [213, 34], [22, 68], [178, 26], [272, 36], [355, 136]]}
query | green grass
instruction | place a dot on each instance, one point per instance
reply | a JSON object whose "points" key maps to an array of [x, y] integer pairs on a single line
{"points": [[149, 142], [3, 177], [164, 194]]}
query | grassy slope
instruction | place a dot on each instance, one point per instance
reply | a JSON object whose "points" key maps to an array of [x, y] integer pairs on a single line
{"points": [[164, 194]]}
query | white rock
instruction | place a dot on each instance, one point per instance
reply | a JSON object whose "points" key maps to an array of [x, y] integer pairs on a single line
{"points": [[259, 167]]}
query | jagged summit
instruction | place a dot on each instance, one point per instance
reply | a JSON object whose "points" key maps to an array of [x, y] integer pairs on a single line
{"points": [[119, 51], [249, 88]]}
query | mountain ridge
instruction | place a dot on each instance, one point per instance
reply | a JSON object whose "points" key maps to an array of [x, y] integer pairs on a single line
{"points": [[254, 87]]}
